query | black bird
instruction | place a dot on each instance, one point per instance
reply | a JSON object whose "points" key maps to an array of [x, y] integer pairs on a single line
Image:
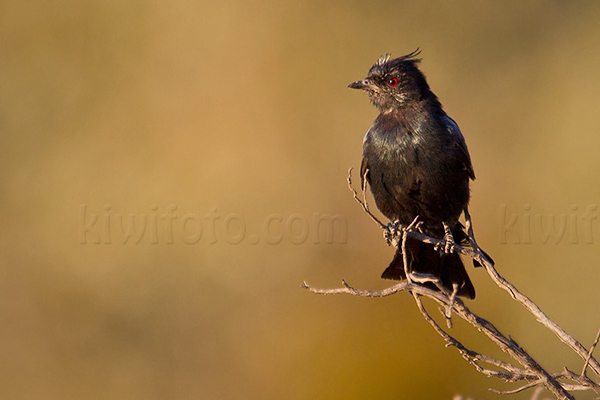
{"points": [[416, 162]]}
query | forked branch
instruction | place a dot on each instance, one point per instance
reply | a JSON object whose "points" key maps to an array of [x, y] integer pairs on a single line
{"points": [[529, 369]]}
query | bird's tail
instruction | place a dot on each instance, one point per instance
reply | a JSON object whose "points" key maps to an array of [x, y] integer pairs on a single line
{"points": [[424, 259]]}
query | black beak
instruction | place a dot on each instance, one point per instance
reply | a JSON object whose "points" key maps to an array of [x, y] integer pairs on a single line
{"points": [[363, 84]]}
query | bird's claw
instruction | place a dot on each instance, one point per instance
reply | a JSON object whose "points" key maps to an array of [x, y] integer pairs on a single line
{"points": [[446, 245], [392, 233]]}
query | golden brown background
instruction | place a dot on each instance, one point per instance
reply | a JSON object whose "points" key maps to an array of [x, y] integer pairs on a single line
{"points": [[243, 107]]}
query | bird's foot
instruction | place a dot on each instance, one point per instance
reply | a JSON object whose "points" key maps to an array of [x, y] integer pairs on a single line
{"points": [[446, 245], [392, 233]]}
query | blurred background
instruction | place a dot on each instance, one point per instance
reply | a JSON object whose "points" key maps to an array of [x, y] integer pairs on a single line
{"points": [[237, 114]]}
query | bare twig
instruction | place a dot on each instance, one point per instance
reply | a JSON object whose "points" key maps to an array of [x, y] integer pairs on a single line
{"points": [[589, 356], [584, 382], [363, 203], [407, 270], [581, 383], [363, 179], [519, 389], [471, 356]]}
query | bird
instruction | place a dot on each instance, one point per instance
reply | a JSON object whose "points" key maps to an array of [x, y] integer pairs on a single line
{"points": [[417, 164]]}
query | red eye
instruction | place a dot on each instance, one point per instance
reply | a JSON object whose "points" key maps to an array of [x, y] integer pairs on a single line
{"points": [[393, 82]]}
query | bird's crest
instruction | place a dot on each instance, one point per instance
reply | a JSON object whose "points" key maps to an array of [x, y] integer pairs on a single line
{"points": [[412, 56], [408, 57], [383, 59]]}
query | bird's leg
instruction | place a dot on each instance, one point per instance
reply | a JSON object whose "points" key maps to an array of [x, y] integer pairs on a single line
{"points": [[392, 233], [448, 239], [447, 243]]}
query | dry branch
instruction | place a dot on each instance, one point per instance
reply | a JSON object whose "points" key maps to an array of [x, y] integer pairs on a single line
{"points": [[530, 370]]}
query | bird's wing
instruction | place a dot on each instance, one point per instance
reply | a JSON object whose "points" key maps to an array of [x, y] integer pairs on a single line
{"points": [[462, 145]]}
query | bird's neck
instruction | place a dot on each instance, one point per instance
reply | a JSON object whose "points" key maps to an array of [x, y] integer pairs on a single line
{"points": [[408, 121], [427, 102], [412, 111]]}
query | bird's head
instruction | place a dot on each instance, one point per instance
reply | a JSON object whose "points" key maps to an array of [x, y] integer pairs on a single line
{"points": [[393, 83]]}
